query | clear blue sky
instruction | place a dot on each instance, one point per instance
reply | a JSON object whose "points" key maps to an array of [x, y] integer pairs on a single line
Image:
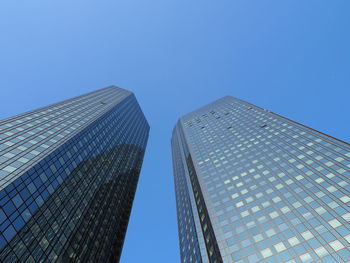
{"points": [[290, 56]]}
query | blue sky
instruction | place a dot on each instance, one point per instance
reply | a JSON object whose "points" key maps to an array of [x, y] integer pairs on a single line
{"points": [[291, 57]]}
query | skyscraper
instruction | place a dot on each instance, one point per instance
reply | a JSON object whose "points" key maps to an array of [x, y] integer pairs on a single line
{"points": [[253, 186], [68, 175]]}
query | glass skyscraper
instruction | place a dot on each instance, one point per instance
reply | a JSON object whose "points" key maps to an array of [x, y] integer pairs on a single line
{"points": [[253, 186], [68, 176]]}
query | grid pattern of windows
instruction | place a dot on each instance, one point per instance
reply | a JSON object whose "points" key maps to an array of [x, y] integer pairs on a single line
{"points": [[276, 191], [26, 138], [73, 205], [189, 243]]}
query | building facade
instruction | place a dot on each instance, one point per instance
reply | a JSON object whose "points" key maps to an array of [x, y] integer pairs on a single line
{"points": [[68, 175], [253, 186]]}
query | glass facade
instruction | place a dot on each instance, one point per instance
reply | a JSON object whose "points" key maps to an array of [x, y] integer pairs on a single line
{"points": [[68, 177], [253, 186]]}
